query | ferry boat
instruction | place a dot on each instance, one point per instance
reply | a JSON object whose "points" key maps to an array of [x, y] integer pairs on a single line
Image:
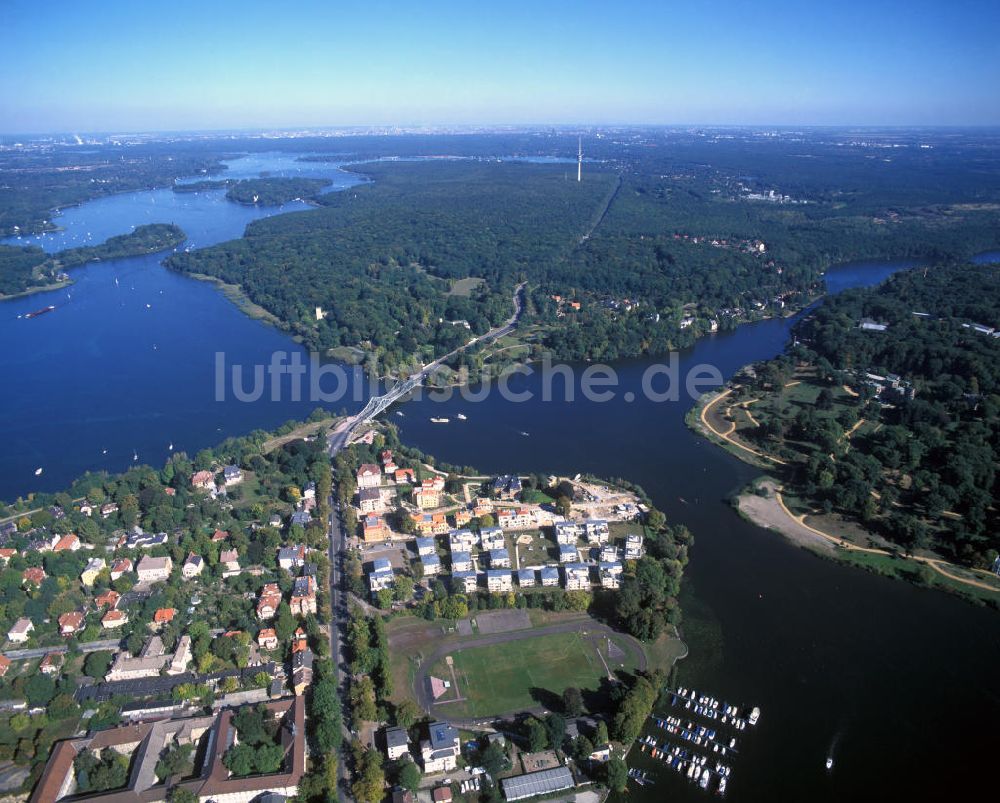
{"points": [[462, 417], [38, 312], [439, 420]]}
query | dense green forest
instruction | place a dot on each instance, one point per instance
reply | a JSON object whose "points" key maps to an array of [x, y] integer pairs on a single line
{"points": [[681, 244], [274, 191], [146, 239], [199, 186], [920, 466], [381, 259], [24, 268]]}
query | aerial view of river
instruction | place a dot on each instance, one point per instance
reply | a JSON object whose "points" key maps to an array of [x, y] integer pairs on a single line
{"points": [[899, 682]]}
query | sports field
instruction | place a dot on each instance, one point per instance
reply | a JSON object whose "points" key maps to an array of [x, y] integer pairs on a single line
{"points": [[506, 677]]}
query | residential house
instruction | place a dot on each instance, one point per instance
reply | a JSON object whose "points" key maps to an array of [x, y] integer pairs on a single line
{"points": [[203, 480], [5, 663], [91, 571], [154, 570], [267, 639], [499, 559], [609, 553], [120, 567], [381, 575], [71, 623], [481, 507], [375, 528], [369, 476], [113, 619], [33, 576], [404, 476], [107, 599], [397, 743], [50, 664], [292, 557], [568, 554], [178, 663], [268, 601], [426, 546], [229, 560], [431, 564], [611, 574], [426, 496], [506, 486], [20, 631], [138, 539], [303, 599], [150, 661], [464, 581], [441, 794], [526, 578], [597, 531], [567, 532], [461, 562], [430, 523], [499, 580], [300, 517], [6, 553], [232, 475], [370, 500], [461, 517], [302, 670], [461, 540], [109, 509], [633, 546], [219, 535], [193, 566], [87, 509], [519, 519], [163, 617], [577, 576], [309, 490], [549, 576], [68, 543], [492, 538], [440, 751]]}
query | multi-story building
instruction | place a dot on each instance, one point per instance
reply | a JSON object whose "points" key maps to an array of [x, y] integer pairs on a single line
{"points": [[499, 580], [577, 577]]}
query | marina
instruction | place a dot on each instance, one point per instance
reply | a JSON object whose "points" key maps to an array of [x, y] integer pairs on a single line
{"points": [[699, 751]]}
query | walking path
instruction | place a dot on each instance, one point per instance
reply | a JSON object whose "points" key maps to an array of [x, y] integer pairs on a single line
{"points": [[727, 435], [936, 564]]}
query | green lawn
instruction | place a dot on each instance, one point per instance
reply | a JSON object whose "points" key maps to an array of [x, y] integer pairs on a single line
{"points": [[500, 678]]}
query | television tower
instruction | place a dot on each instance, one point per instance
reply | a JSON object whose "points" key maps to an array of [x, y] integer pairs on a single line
{"points": [[579, 158]]}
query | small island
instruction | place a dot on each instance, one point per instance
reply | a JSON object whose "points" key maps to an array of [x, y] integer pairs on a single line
{"points": [[26, 270], [275, 191]]}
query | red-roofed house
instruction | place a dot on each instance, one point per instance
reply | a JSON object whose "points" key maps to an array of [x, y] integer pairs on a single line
{"points": [[120, 567], [4, 665], [107, 599], [164, 616], [50, 664], [203, 479], [270, 599], [402, 475], [70, 623], [6, 554], [220, 535], [114, 619], [267, 639], [33, 575], [369, 476], [68, 543]]}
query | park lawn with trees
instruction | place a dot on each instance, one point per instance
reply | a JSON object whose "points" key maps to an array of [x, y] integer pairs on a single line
{"points": [[921, 471]]}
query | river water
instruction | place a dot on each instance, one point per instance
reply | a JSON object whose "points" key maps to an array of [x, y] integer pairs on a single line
{"points": [[902, 680]]}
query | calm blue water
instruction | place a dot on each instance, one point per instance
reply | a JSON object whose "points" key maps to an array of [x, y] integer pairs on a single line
{"points": [[104, 371]]}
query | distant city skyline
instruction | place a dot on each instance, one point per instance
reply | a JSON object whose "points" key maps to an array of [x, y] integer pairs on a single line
{"points": [[72, 67]]}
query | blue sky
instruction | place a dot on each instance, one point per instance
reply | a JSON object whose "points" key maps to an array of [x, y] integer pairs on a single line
{"points": [[67, 65]]}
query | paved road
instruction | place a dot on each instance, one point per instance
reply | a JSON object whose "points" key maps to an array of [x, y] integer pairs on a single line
{"points": [[337, 440], [38, 652], [421, 684]]}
